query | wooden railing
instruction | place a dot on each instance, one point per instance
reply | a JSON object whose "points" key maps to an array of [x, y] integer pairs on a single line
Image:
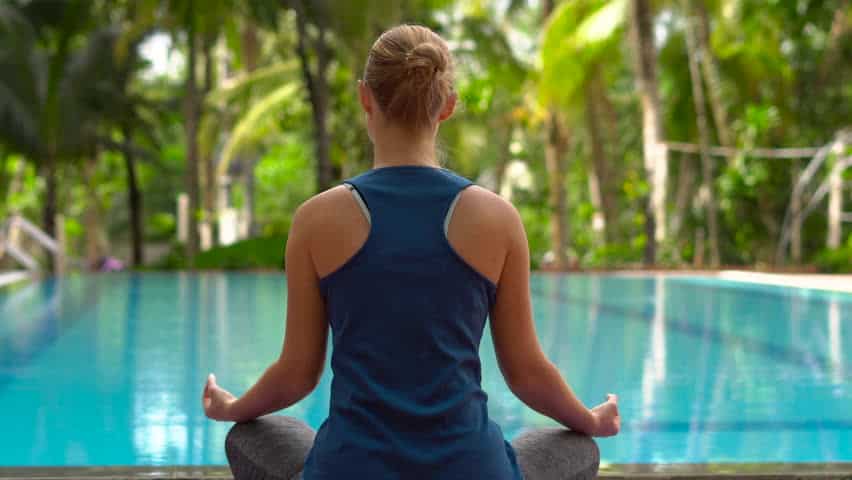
{"points": [[831, 186], [10, 242]]}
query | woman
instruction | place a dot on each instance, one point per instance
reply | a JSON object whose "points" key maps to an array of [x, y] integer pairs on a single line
{"points": [[405, 262]]}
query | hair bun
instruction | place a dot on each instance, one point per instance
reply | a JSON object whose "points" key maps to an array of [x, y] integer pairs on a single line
{"points": [[410, 72], [428, 57]]}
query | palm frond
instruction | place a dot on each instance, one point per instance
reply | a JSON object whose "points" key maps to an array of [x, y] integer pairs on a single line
{"points": [[23, 74], [263, 78], [252, 126], [579, 34]]}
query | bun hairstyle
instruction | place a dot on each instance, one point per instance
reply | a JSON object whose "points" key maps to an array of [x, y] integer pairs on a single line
{"points": [[410, 73]]}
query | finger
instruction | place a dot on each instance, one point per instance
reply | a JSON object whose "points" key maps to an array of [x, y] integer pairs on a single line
{"points": [[611, 397], [205, 392], [211, 379]]}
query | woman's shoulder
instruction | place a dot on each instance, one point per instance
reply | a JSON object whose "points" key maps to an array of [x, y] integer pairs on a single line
{"points": [[333, 227], [323, 208], [479, 202]]}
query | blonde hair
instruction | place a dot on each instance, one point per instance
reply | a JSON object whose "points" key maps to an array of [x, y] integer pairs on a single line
{"points": [[410, 73]]}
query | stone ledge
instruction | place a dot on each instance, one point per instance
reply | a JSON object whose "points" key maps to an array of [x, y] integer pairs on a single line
{"points": [[750, 471]]}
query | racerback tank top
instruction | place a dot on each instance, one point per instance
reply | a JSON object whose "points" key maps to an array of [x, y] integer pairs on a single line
{"points": [[407, 315]]}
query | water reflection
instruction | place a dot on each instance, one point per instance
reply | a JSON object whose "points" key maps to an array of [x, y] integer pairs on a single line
{"points": [[654, 371], [835, 346]]}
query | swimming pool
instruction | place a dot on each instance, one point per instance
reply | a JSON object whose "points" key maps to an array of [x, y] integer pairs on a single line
{"points": [[107, 370]]}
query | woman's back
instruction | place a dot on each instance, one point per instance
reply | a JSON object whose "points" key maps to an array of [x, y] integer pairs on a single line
{"points": [[407, 314], [406, 284]]}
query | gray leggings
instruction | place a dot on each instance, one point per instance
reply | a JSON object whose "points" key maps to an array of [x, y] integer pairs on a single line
{"points": [[275, 447]]}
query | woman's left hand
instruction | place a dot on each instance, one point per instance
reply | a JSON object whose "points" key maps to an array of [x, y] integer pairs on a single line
{"points": [[217, 401]]}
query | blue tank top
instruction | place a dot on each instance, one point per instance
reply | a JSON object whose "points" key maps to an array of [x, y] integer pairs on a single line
{"points": [[407, 315]]}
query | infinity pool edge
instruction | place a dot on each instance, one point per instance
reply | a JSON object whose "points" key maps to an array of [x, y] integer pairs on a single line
{"points": [[752, 471]]}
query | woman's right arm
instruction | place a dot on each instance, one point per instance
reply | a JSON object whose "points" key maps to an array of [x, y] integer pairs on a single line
{"points": [[527, 370]]}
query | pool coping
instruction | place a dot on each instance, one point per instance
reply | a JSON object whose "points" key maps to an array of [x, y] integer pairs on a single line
{"points": [[823, 282], [753, 471], [9, 278]]}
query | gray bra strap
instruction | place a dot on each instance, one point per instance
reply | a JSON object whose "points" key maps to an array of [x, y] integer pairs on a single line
{"points": [[450, 212], [360, 202]]}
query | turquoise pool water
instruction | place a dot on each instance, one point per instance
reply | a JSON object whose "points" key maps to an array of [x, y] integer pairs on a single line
{"points": [[108, 370]]}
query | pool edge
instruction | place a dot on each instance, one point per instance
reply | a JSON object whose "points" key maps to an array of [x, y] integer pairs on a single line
{"points": [[804, 471]]}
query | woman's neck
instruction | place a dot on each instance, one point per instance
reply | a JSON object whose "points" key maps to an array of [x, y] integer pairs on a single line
{"points": [[398, 148]]}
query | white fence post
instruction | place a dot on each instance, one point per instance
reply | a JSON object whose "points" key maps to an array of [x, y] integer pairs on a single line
{"points": [[183, 217], [59, 254], [205, 235], [835, 206]]}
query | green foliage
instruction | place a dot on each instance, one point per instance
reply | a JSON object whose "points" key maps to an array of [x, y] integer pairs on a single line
{"points": [[254, 253], [615, 254], [161, 226], [836, 261], [284, 180], [535, 222], [579, 35], [72, 81], [253, 127]]}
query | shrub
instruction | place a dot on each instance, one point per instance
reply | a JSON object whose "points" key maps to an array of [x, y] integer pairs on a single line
{"points": [[835, 261], [253, 253]]}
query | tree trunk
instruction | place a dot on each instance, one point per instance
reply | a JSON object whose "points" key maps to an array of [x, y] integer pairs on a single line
{"points": [[712, 78], [191, 117], [250, 188], [654, 150], [834, 47], [210, 190], [251, 52], [134, 201], [707, 164], [554, 154], [685, 179], [599, 225], [250, 45], [96, 245], [49, 208], [318, 94], [600, 178]]}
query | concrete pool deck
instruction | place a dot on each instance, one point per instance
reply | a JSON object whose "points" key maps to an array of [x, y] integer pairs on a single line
{"points": [[833, 283], [814, 281], [786, 471]]}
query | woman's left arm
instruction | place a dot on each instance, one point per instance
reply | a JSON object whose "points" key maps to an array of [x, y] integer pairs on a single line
{"points": [[298, 369]]}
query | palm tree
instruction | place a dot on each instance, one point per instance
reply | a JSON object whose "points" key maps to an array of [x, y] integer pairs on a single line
{"points": [[653, 148], [707, 163], [488, 58], [556, 143], [46, 88], [581, 41], [201, 24], [35, 94], [320, 26]]}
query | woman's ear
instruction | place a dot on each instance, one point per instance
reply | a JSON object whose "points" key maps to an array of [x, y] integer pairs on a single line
{"points": [[449, 108], [365, 96]]}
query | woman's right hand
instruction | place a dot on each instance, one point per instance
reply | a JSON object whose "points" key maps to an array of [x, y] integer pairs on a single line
{"points": [[607, 419]]}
